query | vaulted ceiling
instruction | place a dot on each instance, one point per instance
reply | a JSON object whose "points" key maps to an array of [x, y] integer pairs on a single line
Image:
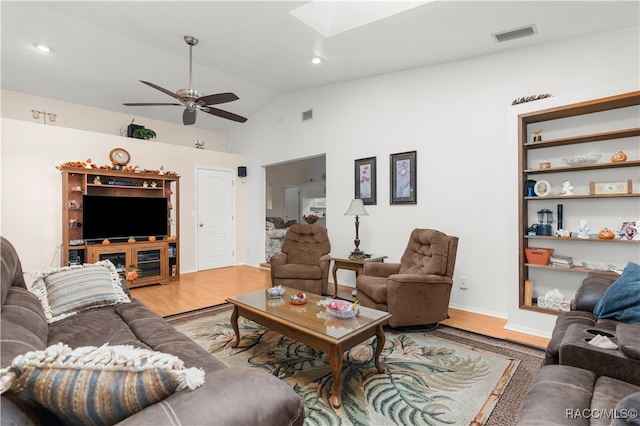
{"points": [[257, 49]]}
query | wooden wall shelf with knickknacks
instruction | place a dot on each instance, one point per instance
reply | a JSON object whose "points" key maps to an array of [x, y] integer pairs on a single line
{"points": [[157, 256], [588, 153]]}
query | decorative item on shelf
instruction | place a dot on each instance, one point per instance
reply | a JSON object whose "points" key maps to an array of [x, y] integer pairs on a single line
{"points": [[542, 188], [581, 160], [299, 299], [600, 267], [630, 230], [530, 98], [96, 180], [537, 135], [553, 299], [583, 230], [545, 219], [76, 188], [538, 255], [567, 189], [275, 292], [610, 188], [606, 234], [619, 157], [143, 133], [545, 164], [106, 242], [311, 218], [152, 238], [35, 114], [133, 274], [131, 240], [88, 164], [357, 209], [161, 171], [119, 157], [563, 233], [145, 184], [168, 192], [154, 184], [73, 205], [529, 186]]}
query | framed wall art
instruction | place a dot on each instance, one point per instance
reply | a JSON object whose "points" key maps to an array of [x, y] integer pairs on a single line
{"points": [[365, 180], [403, 183]]}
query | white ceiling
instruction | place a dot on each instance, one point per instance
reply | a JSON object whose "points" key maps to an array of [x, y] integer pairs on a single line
{"points": [[256, 49]]}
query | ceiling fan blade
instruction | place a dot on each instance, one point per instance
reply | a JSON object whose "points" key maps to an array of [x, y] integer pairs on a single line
{"points": [[147, 104], [218, 98], [224, 114], [162, 89], [188, 117]]}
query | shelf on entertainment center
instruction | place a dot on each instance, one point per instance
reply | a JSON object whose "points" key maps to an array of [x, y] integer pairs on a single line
{"points": [[78, 182]]}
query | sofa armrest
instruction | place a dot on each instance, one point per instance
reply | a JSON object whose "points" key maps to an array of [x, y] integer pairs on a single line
{"points": [[420, 279], [576, 351], [629, 339], [380, 269]]}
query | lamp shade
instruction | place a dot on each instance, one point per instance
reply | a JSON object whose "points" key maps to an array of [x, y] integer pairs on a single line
{"points": [[356, 208]]}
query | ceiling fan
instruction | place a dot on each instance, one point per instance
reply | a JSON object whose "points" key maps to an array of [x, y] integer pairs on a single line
{"points": [[193, 100]]}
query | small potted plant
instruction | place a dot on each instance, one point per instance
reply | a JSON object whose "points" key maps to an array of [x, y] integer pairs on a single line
{"points": [[143, 133]]}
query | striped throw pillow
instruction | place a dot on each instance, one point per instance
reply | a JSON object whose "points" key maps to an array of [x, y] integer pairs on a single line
{"points": [[98, 385], [70, 289]]}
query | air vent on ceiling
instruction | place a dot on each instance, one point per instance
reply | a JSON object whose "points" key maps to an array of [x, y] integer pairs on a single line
{"points": [[307, 115], [529, 30]]}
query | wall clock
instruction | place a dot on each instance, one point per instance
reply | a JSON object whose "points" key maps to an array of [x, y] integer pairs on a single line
{"points": [[119, 156], [620, 187]]}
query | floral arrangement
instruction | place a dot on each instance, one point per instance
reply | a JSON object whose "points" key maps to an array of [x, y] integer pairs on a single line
{"points": [[88, 164], [311, 218]]}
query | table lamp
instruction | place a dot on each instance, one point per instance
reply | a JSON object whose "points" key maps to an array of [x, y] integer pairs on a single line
{"points": [[357, 208]]}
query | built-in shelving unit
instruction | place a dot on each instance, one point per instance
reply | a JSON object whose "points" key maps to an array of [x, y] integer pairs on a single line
{"points": [[601, 126], [157, 261]]}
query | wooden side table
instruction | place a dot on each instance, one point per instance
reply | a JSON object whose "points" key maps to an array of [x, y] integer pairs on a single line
{"points": [[350, 265]]}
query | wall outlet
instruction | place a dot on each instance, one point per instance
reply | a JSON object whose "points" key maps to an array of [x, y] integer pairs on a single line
{"points": [[464, 282]]}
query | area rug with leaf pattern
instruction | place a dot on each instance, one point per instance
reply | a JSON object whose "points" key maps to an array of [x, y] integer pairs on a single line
{"points": [[441, 377]]}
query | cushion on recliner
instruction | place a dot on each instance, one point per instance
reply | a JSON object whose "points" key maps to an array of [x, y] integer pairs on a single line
{"points": [[629, 339], [298, 271], [426, 253]]}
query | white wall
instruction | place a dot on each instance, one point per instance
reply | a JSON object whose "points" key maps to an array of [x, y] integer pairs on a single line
{"points": [[18, 106], [456, 116], [31, 210]]}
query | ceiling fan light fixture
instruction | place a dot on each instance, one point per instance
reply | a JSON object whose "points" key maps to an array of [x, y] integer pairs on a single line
{"points": [[315, 60], [43, 47]]}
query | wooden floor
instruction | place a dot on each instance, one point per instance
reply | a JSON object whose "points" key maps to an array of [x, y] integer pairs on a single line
{"points": [[203, 289]]}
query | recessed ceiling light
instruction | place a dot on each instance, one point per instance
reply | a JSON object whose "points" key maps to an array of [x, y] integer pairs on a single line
{"points": [[316, 60], [43, 47]]}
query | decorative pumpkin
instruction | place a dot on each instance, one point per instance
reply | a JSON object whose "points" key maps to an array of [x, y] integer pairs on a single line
{"points": [[105, 242], [606, 234], [132, 275], [152, 238], [131, 240], [619, 157]]}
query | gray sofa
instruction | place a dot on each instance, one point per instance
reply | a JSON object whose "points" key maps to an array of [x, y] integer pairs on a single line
{"points": [[581, 384], [230, 396]]}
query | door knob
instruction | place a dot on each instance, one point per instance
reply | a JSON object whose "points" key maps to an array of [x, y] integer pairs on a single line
{"points": [[201, 225]]}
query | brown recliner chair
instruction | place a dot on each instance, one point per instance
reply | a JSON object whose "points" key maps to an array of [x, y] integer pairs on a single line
{"points": [[415, 291], [304, 261]]}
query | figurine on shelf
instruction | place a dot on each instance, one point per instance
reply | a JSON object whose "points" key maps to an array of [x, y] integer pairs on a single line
{"points": [[583, 229], [96, 180], [145, 184], [154, 184], [567, 189], [537, 137], [161, 171]]}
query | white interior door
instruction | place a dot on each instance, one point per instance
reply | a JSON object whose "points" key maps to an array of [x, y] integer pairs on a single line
{"points": [[215, 219]]}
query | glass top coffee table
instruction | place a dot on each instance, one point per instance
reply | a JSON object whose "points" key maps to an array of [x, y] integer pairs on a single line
{"points": [[312, 325]]}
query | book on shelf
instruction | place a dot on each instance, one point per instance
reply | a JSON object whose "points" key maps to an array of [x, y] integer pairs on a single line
{"points": [[556, 258], [562, 265]]}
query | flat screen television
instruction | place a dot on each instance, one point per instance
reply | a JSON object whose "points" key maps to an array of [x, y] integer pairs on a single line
{"points": [[123, 217]]}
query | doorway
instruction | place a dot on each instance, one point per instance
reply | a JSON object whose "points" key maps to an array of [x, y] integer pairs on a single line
{"points": [[215, 219]]}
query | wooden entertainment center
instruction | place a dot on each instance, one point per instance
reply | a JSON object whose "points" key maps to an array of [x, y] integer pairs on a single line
{"points": [[157, 262]]}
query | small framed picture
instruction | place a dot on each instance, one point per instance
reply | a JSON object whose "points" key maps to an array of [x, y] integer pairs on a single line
{"points": [[365, 180], [629, 230], [542, 188], [403, 178]]}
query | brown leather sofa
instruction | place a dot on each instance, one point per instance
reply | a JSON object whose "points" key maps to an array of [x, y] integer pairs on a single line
{"points": [[415, 291], [230, 396], [581, 384], [304, 261]]}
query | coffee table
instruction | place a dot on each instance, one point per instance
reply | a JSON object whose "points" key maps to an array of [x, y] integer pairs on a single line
{"points": [[312, 325]]}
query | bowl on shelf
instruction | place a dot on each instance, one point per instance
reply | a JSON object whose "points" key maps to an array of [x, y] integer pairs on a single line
{"points": [[581, 160]]}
